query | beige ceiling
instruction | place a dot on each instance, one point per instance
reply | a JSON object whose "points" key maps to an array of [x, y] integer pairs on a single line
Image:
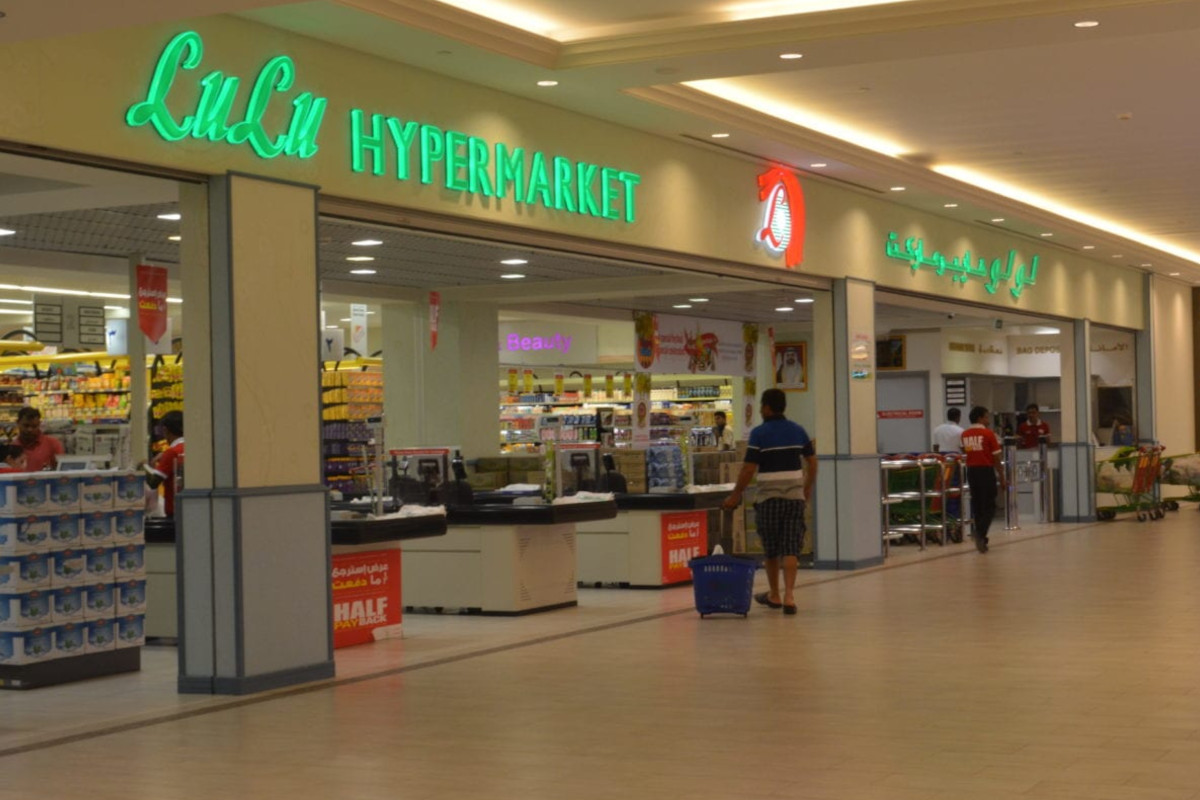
{"points": [[40, 19]]}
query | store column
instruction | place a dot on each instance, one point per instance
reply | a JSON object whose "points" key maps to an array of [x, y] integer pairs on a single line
{"points": [[448, 394], [1076, 452], [1145, 394], [253, 523], [847, 514]]}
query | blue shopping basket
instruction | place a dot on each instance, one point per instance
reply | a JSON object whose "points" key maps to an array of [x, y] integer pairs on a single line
{"points": [[723, 584]]}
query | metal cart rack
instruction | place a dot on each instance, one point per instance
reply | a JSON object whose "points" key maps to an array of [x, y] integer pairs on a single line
{"points": [[909, 486]]}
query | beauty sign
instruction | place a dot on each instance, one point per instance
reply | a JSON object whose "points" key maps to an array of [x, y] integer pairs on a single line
{"points": [[963, 268], [684, 537]]}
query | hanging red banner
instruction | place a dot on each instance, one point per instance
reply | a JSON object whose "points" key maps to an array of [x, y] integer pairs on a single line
{"points": [[435, 311], [152, 301]]}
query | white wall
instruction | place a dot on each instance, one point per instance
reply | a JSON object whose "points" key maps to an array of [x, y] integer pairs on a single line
{"points": [[1174, 386]]}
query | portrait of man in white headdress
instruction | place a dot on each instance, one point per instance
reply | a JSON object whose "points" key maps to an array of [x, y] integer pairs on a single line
{"points": [[791, 368]]}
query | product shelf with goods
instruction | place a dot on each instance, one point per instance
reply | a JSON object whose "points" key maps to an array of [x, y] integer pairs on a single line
{"points": [[351, 394], [72, 576]]}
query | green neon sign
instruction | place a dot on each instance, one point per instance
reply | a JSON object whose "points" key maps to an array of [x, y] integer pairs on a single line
{"points": [[379, 144], [963, 268]]}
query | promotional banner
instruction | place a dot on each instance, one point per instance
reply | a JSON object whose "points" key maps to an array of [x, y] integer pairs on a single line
{"points": [[684, 537], [512, 381], [676, 345], [559, 382], [641, 410], [528, 380], [587, 386], [152, 301], [358, 329], [609, 386], [333, 345], [366, 597], [435, 311]]}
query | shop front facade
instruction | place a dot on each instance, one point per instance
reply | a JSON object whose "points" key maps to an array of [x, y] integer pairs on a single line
{"points": [[268, 130]]}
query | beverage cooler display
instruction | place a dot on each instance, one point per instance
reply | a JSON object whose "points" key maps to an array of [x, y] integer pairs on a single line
{"points": [[72, 576]]}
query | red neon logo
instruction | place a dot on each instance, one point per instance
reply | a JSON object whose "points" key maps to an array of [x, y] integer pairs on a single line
{"points": [[783, 215]]}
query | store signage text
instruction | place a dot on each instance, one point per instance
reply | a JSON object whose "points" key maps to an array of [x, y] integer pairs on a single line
{"points": [[971, 347], [782, 229], [378, 143], [516, 343], [963, 268]]}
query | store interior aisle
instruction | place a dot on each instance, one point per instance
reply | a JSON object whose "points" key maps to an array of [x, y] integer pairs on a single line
{"points": [[1060, 666]]}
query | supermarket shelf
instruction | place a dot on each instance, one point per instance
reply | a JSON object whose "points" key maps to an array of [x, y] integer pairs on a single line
{"points": [[76, 391]]}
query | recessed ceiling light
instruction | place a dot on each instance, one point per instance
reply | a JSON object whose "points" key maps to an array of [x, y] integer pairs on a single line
{"points": [[174, 238], [785, 308], [171, 217], [547, 83], [367, 243], [1089, 247], [1047, 234], [1146, 265], [345, 319], [1173, 274], [950, 205], [360, 258], [818, 165], [30, 302], [332, 327], [174, 299], [115, 308], [512, 276], [362, 272], [14, 311], [682, 305], [1087, 23], [791, 56], [720, 135], [898, 189], [697, 299], [514, 262], [998, 219], [1117, 255], [805, 300], [6, 232]]}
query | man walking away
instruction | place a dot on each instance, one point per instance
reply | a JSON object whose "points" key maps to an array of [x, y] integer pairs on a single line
{"points": [[777, 451], [947, 437], [985, 472]]}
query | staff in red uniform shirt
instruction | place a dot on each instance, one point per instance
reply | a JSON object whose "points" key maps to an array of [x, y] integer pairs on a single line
{"points": [[41, 451], [162, 472], [1032, 429], [985, 472]]}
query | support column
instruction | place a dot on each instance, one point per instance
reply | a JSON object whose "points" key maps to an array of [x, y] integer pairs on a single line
{"points": [[448, 395], [843, 375], [1145, 401], [253, 520], [1076, 453]]}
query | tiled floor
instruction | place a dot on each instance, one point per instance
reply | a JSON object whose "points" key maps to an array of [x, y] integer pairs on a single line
{"points": [[1063, 664]]}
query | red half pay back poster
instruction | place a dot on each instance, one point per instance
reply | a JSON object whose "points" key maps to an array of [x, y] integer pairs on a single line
{"points": [[684, 537], [366, 595]]}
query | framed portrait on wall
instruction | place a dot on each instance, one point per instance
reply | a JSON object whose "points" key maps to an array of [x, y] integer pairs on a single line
{"points": [[891, 352], [791, 366]]}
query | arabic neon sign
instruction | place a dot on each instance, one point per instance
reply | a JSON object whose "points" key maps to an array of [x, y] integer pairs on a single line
{"points": [[378, 143], [963, 268], [782, 230]]}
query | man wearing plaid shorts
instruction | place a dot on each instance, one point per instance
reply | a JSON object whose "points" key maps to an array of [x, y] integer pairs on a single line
{"points": [[783, 456]]}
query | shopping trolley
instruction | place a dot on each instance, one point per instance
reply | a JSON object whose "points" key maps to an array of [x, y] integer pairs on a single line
{"points": [[1132, 476]]}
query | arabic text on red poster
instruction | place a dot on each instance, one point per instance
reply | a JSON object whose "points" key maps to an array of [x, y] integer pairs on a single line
{"points": [[366, 596], [684, 537]]}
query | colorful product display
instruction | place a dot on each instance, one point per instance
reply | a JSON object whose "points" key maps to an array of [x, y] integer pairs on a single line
{"points": [[72, 564]]}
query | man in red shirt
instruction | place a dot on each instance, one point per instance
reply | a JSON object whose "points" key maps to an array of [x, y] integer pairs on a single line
{"points": [[164, 469], [41, 451], [985, 472], [1032, 429]]}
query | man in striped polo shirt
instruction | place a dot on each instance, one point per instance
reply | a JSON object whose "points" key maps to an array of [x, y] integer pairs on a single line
{"points": [[783, 456]]}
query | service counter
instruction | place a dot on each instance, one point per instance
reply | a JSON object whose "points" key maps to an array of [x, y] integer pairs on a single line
{"points": [[649, 542], [500, 559]]}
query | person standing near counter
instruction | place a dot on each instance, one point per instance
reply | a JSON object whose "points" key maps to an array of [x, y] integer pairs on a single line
{"points": [[162, 471], [41, 450], [1032, 429], [985, 472], [722, 432], [783, 456], [947, 437]]}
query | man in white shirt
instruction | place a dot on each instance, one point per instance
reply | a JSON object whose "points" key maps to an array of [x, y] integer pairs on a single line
{"points": [[947, 437], [722, 432]]}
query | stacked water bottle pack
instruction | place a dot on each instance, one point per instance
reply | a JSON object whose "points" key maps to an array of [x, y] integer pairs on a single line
{"points": [[72, 564]]}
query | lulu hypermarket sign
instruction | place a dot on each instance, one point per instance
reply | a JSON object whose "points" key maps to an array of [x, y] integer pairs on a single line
{"points": [[229, 111], [962, 269]]}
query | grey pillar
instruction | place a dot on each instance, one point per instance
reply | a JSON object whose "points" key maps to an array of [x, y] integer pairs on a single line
{"points": [[1077, 455], [253, 522], [1144, 399]]}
